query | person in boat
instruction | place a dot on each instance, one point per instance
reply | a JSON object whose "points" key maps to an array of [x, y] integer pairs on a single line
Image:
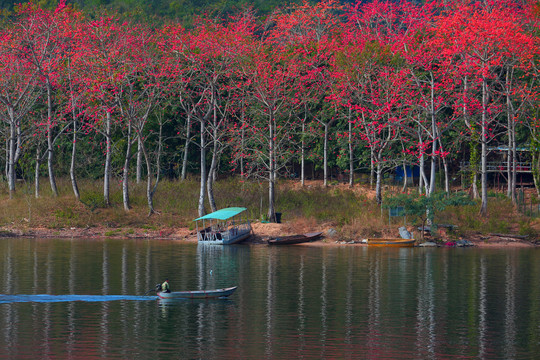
{"points": [[165, 286]]}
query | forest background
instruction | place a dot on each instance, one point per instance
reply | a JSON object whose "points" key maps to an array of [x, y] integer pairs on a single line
{"points": [[118, 95]]}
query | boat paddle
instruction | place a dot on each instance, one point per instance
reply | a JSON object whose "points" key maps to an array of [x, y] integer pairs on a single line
{"points": [[156, 289]]}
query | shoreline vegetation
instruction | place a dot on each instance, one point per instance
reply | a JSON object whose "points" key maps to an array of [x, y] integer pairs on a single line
{"points": [[344, 215]]}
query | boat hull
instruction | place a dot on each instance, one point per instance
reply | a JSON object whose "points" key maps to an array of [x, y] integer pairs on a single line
{"points": [[294, 239], [239, 237], [391, 242], [198, 294]]}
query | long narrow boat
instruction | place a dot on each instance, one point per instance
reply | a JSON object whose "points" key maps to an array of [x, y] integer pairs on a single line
{"points": [[391, 242], [294, 239], [197, 294], [223, 227]]}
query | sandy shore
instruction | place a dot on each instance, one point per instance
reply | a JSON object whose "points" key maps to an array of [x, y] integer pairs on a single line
{"points": [[262, 231]]}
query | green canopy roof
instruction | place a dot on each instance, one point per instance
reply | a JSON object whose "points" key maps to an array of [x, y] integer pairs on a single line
{"points": [[223, 214]]}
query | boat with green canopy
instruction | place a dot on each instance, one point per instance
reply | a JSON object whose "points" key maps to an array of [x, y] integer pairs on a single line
{"points": [[224, 227]]}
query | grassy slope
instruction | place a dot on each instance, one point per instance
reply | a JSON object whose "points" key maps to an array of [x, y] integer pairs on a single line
{"points": [[350, 211]]}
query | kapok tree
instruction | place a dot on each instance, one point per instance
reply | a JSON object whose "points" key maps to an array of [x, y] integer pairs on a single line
{"points": [[270, 75], [482, 37], [102, 74], [202, 64], [140, 92], [18, 93], [44, 37], [311, 31], [434, 83], [381, 117]]}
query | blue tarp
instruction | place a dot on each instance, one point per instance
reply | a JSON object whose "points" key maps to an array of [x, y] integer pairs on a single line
{"points": [[223, 214]]}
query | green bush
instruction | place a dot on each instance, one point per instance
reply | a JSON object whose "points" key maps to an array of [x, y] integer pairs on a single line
{"points": [[93, 200]]}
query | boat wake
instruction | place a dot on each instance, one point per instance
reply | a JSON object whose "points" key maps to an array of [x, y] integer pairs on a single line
{"points": [[45, 298]]}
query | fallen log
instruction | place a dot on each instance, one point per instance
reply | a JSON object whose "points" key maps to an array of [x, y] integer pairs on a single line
{"points": [[511, 236]]}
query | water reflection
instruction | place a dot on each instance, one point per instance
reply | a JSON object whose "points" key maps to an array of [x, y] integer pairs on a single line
{"points": [[425, 324], [510, 309], [292, 302]]}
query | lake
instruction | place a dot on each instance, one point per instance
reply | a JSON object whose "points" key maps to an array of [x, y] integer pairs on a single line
{"points": [[62, 298]]}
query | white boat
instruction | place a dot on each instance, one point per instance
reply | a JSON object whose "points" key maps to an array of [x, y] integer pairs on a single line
{"points": [[197, 294], [224, 227]]}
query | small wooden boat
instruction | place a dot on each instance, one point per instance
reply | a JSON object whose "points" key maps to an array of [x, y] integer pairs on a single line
{"points": [[197, 294], [295, 239], [391, 242]]}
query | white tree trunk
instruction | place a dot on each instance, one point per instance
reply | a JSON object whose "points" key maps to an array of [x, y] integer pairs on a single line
{"points": [[50, 147], [378, 186], [271, 173], [325, 160], [211, 174], [303, 155], [125, 172], [483, 139], [36, 172], [107, 170], [351, 157], [186, 148], [138, 166], [202, 192], [12, 145], [72, 165]]}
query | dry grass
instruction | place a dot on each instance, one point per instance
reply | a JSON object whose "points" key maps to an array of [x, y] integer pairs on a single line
{"points": [[352, 212]]}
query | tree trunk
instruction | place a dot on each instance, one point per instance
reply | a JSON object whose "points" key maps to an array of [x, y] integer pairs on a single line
{"points": [[431, 188], [325, 155], [512, 153], [242, 144], [11, 177], [186, 147], [303, 155], [211, 172], [50, 147], [74, 148], [72, 166], [434, 134], [202, 192], [138, 166], [446, 176], [36, 173], [423, 185], [125, 172], [107, 171], [405, 177], [351, 157], [483, 139], [378, 187], [271, 173], [149, 191], [371, 168]]}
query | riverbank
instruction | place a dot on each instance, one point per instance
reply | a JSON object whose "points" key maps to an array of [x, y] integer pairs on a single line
{"points": [[262, 232], [345, 215]]}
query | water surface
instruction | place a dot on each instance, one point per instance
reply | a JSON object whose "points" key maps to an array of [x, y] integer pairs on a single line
{"points": [[86, 299]]}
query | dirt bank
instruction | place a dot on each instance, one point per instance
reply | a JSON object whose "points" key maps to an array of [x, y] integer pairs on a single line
{"points": [[262, 231]]}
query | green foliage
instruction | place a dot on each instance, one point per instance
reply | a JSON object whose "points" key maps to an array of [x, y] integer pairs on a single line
{"points": [[93, 200], [113, 232], [65, 214], [525, 228]]}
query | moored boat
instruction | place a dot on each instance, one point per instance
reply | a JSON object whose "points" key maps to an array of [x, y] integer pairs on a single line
{"points": [[224, 227], [197, 294], [294, 239], [391, 242]]}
